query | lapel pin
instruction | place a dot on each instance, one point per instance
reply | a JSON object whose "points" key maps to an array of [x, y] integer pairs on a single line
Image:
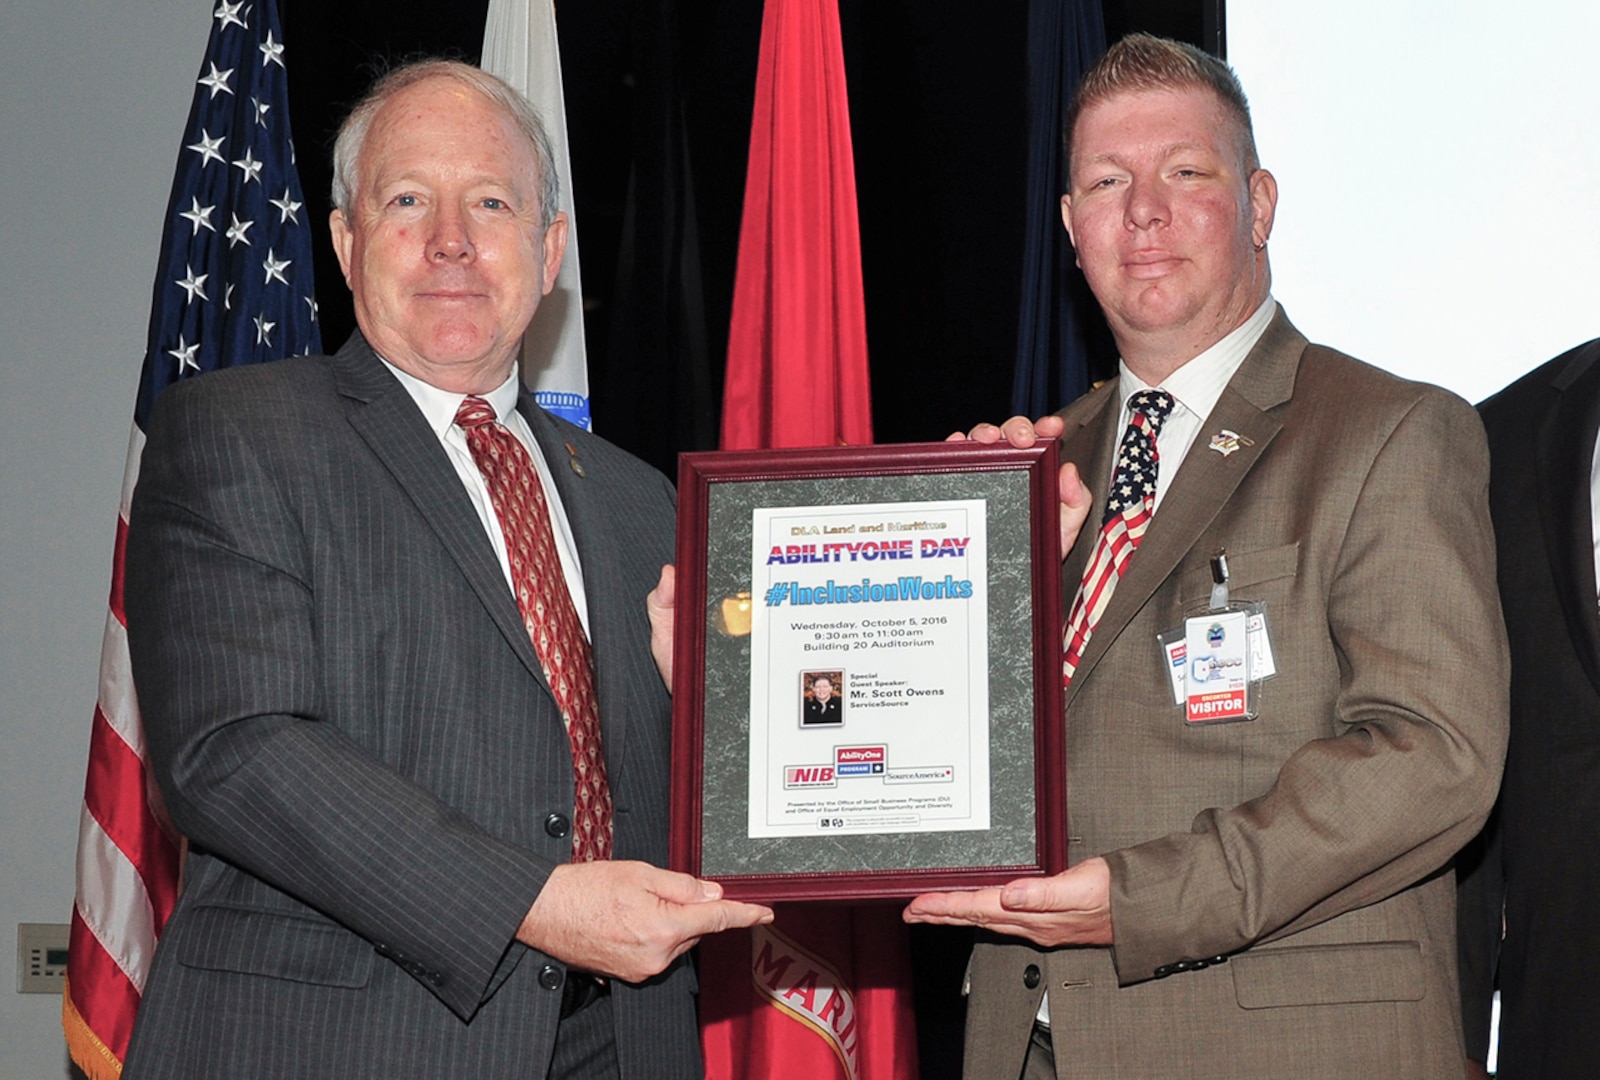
{"points": [[1226, 442], [572, 459]]}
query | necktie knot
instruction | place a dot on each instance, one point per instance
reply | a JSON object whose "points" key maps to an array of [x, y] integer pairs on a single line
{"points": [[1154, 405], [1134, 486], [475, 412]]}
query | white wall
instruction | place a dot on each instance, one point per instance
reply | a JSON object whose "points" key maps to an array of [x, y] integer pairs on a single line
{"points": [[1437, 167], [93, 98]]}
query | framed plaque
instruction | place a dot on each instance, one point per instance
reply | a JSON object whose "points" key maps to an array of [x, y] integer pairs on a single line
{"points": [[867, 675]]}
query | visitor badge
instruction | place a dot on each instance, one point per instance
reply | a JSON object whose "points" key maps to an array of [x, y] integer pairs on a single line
{"points": [[1216, 667]]}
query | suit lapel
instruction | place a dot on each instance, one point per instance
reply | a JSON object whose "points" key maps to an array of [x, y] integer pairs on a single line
{"points": [[1566, 440], [609, 633], [1203, 484], [385, 417]]}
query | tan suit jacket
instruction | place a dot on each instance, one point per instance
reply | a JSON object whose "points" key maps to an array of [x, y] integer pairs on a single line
{"points": [[1281, 894]]}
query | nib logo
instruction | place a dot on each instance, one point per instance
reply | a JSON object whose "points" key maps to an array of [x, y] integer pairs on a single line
{"points": [[802, 776]]}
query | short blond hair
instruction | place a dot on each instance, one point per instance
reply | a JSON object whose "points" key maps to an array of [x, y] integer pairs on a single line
{"points": [[1144, 62]]}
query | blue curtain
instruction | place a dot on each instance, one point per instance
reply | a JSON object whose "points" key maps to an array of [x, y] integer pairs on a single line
{"points": [[1057, 318]]}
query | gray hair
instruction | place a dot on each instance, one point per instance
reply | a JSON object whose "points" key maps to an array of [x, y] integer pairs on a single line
{"points": [[358, 125], [1142, 62]]}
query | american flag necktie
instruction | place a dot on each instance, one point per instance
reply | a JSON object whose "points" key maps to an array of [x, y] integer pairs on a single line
{"points": [[1129, 504], [547, 612]]}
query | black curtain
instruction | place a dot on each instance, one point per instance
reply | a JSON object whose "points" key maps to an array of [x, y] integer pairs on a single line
{"points": [[659, 96]]}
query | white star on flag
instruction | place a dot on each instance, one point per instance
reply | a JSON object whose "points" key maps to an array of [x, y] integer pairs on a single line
{"points": [[261, 111], [207, 148], [236, 233], [198, 215], [229, 13], [251, 167], [184, 354], [286, 207], [217, 81], [271, 51], [275, 268], [263, 328], [194, 284]]}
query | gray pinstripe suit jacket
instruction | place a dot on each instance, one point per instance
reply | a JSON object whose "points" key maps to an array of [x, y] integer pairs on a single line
{"points": [[348, 721]]}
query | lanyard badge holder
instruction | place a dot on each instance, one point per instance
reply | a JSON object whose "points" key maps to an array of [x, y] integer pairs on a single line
{"points": [[1218, 659]]}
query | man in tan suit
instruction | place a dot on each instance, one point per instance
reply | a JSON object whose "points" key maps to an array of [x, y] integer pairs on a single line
{"points": [[1270, 897]]}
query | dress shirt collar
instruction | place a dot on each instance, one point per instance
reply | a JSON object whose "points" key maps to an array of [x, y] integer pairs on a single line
{"points": [[1198, 384], [439, 407]]}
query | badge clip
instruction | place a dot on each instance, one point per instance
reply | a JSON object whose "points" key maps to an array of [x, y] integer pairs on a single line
{"points": [[1216, 661]]}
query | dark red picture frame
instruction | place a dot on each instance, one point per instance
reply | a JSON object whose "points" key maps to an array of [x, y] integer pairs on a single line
{"points": [[932, 464]]}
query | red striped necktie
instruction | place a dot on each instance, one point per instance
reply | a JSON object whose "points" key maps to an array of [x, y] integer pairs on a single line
{"points": [[1130, 502], [547, 613]]}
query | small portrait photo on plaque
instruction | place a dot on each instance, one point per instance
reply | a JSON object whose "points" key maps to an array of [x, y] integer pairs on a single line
{"points": [[822, 699]]}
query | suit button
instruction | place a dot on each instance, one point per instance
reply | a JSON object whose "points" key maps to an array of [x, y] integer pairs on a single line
{"points": [[1030, 976], [1218, 960], [557, 825], [550, 977], [1163, 971]]}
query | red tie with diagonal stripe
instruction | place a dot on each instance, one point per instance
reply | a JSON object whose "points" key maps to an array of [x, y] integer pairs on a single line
{"points": [[547, 612], [1129, 503]]}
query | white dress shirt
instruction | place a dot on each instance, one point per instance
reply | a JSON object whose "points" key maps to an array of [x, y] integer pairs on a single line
{"points": [[1195, 388], [439, 409]]}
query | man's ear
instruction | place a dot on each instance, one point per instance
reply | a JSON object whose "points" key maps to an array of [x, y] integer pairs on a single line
{"points": [[555, 246], [1263, 206], [343, 240], [1066, 219]]}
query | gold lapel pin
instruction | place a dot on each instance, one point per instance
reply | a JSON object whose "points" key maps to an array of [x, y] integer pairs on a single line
{"points": [[1226, 442]]}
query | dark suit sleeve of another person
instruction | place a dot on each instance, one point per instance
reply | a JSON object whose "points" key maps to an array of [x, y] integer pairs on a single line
{"points": [[338, 715]]}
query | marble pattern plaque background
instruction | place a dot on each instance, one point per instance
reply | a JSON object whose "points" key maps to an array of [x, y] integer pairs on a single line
{"points": [[726, 849]]}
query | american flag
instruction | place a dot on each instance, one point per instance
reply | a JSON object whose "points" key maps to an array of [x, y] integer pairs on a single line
{"points": [[233, 286]]}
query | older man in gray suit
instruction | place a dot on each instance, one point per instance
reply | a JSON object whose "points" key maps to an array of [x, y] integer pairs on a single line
{"points": [[389, 628], [1269, 897]]}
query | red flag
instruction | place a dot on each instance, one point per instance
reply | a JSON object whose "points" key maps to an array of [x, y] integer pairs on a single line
{"points": [[233, 287], [825, 992], [797, 345]]}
